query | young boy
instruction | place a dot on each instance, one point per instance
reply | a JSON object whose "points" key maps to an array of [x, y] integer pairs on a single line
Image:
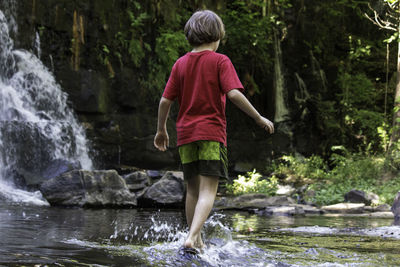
{"points": [[201, 80]]}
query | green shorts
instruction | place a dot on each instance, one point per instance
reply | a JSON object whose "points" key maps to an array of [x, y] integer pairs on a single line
{"points": [[208, 158]]}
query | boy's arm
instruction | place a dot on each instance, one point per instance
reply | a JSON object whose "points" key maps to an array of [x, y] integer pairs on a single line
{"points": [[241, 102], [161, 140]]}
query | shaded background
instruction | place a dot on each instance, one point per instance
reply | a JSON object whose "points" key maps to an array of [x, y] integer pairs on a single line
{"points": [[316, 68]]}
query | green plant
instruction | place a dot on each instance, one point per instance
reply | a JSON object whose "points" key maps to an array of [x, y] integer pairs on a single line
{"points": [[252, 183], [351, 171], [313, 167]]}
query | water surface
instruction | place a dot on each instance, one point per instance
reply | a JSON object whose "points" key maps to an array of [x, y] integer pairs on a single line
{"points": [[54, 236]]}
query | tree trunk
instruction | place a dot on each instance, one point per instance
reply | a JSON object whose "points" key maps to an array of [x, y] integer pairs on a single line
{"points": [[394, 138]]}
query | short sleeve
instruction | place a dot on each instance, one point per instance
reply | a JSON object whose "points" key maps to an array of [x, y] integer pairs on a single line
{"points": [[172, 88], [228, 77]]}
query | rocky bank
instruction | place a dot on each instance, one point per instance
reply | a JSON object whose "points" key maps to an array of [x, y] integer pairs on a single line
{"points": [[155, 189]]}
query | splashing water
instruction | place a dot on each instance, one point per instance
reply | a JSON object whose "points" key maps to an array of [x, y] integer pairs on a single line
{"points": [[36, 125], [166, 238]]}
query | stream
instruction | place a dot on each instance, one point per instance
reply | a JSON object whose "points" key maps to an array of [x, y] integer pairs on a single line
{"points": [[39, 129], [52, 236]]}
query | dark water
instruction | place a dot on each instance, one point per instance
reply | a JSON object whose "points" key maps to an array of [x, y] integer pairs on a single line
{"points": [[53, 236]]}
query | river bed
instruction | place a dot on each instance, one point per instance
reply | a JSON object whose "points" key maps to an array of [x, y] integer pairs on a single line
{"points": [[39, 236]]}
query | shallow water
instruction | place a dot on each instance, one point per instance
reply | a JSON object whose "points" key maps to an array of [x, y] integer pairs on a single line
{"points": [[128, 237]]}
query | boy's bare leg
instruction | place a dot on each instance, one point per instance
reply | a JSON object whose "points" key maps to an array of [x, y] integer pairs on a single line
{"points": [[192, 195], [208, 187]]}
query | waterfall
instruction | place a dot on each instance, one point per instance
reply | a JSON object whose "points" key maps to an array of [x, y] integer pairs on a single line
{"points": [[37, 127], [281, 110], [318, 73]]}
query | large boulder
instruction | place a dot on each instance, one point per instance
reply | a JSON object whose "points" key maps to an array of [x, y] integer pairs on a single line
{"points": [[169, 191], [137, 181], [358, 196], [29, 151], [396, 209], [88, 189]]}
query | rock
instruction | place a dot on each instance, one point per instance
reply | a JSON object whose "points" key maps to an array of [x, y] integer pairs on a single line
{"points": [[358, 196], [242, 167], [261, 201], [89, 91], [137, 181], [308, 209], [88, 189], [281, 211], [382, 208], [396, 209], [58, 167], [253, 201], [167, 192], [344, 208], [155, 174], [30, 151], [285, 190]]}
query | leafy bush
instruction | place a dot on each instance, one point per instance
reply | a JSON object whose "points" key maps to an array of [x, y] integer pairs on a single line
{"points": [[348, 171], [252, 183]]}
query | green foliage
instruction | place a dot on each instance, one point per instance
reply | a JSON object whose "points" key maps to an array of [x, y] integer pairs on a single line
{"points": [[360, 124], [348, 171], [252, 183], [354, 172], [248, 38], [313, 167], [169, 46]]}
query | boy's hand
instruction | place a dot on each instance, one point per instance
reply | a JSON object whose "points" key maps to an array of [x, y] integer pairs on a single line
{"points": [[265, 124], [161, 141]]}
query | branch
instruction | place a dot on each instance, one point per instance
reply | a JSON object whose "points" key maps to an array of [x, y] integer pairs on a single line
{"points": [[393, 5], [380, 22]]}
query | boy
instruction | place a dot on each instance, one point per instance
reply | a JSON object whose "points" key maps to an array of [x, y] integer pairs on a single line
{"points": [[201, 80]]}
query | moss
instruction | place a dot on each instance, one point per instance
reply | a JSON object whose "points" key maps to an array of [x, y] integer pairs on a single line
{"points": [[310, 250]]}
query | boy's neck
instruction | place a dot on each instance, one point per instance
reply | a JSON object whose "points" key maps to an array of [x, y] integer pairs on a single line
{"points": [[204, 47]]}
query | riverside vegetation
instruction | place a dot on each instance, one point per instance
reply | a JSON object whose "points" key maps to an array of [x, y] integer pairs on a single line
{"points": [[323, 182]]}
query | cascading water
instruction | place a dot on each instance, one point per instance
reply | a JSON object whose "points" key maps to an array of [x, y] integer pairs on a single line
{"points": [[281, 110], [37, 128]]}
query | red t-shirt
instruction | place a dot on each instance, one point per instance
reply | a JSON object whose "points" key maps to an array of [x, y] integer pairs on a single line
{"points": [[200, 82]]}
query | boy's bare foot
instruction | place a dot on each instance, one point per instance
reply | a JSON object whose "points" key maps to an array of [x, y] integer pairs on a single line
{"points": [[195, 242], [199, 242], [189, 243]]}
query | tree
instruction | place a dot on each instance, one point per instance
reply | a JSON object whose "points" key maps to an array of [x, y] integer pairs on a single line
{"points": [[386, 15]]}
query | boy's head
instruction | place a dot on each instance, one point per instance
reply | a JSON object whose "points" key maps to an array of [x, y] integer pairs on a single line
{"points": [[204, 27]]}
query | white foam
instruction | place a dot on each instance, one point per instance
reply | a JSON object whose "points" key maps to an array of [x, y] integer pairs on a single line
{"points": [[18, 196]]}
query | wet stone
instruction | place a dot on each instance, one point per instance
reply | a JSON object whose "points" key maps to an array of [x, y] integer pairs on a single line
{"points": [[167, 192], [358, 196], [137, 181], [88, 189], [281, 211], [344, 208]]}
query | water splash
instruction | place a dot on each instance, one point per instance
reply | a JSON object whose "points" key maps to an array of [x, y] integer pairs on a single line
{"points": [[37, 127], [18, 196], [162, 241]]}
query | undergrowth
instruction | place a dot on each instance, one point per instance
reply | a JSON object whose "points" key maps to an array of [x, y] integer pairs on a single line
{"points": [[324, 182]]}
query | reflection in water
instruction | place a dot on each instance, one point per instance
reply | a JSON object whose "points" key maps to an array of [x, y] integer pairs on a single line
{"points": [[130, 237]]}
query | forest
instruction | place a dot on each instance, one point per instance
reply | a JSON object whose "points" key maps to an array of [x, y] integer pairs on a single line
{"points": [[325, 72]]}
